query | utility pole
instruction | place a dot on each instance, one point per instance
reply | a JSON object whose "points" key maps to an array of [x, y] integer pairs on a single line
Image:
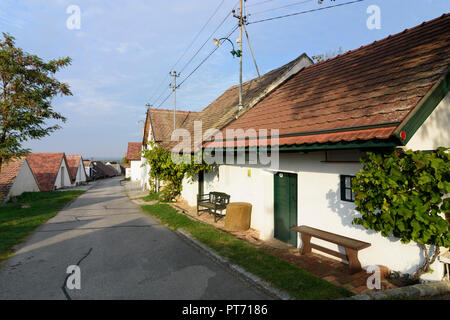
{"points": [[174, 87], [242, 19]]}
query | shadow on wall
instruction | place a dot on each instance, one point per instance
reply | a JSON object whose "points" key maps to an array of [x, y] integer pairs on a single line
{"points": [[347, 212]]}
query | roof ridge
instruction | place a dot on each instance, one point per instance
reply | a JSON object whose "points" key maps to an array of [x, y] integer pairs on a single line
{"points": [[170, 110], [389, 37]]}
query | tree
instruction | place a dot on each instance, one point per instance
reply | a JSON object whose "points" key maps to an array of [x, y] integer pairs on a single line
{"points": [[404, 194], [162, 168], [325, 56], [27, 86], [125, 161]]}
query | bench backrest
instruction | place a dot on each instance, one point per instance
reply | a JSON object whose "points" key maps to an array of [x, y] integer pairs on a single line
{"points": [[219, 198]]}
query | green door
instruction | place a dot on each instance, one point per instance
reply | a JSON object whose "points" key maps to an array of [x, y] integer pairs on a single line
{"points": [[285, 205], [201, 182]]}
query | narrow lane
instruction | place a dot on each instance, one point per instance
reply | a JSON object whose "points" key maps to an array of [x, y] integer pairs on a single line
{"points": [[122, 254]]}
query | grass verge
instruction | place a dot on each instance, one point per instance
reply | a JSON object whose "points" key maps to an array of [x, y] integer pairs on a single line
{"points": [[17, 223], [299, 283]]}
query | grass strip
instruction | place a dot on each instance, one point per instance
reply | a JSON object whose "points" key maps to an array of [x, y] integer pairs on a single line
{"points": [[19, 220], [292, 279]]}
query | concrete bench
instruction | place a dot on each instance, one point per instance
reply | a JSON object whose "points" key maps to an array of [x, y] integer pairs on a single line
{"points": [[352, 246]]}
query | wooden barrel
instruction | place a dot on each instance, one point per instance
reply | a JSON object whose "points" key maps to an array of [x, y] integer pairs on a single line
{"points": [[238, 216]]}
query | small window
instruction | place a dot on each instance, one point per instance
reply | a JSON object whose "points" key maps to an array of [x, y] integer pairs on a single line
{"points": [[346, 188]]}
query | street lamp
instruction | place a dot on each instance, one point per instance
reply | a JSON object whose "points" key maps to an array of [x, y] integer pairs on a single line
{"points": [[234, 53]]}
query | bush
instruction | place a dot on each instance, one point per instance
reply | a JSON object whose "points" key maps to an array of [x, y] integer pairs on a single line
{"points": [[403, 194]]}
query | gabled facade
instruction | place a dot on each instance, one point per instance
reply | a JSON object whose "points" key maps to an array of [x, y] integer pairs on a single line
{"points": [[50, 169], [133, 156], [16, 178], [76, 169]]}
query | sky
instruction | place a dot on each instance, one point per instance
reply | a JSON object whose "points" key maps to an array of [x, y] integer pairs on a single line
{"points": [[123, 50]]}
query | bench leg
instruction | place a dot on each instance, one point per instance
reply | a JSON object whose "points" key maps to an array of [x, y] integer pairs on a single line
{"points": [[352, 256], [306, 244]]}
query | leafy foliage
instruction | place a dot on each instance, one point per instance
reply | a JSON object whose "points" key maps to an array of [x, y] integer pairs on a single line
{"points": [[403, 194], [325, 56], [27, 86], [162, 168]]}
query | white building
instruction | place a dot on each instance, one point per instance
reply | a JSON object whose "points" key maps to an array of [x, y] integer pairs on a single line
{"points": [[389, 94], [76, 169], [50, 169], [16, 178], [133, 155]]}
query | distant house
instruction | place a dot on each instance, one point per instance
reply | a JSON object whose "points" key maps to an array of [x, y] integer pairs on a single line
{"points": [[76, 169], [16, 178], [117, 167], [50, 169], [133, 155], [99, 170], [87, 168]]}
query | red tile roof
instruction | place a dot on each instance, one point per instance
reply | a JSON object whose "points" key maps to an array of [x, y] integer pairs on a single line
{"points": [[360, 95], [45, 167], [162, 124], [73, 163], [108, 171], [222, 110], [8, 174], [133, 152]]}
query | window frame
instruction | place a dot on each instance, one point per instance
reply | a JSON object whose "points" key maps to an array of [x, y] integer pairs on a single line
{"points": [[344, 188]]}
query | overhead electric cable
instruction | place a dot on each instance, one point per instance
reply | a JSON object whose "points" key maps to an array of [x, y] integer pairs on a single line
{"points": [[303, 12]]}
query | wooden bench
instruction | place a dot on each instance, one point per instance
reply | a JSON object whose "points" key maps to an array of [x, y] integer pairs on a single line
{"points": [[213, 203], [352, 246]]}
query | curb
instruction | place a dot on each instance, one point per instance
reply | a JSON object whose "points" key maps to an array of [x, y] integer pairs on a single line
{"points": [[255, 280], [409, 292]]}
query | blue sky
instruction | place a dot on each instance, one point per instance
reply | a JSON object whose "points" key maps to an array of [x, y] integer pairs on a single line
{"points": [[123, 52]]}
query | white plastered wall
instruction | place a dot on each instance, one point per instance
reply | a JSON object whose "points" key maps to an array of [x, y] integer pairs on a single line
{"points": [[67, 182], [319, 206], [24, 182], [435, 131]]}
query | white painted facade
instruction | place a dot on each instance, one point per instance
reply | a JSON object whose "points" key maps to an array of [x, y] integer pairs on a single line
{"points": [[319, 201], [81, 176], [435, 130], [63, 178], [24, 182], [135, 170]]}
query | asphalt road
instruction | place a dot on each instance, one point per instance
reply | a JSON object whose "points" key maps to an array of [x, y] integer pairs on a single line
{"points": [[121, 253]]}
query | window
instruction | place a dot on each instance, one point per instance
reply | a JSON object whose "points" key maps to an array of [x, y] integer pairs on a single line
{"points": [[346, 188]]}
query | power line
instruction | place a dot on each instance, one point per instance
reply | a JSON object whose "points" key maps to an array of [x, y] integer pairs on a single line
{"points": [[303, 12], [196, 68], [198, 34], [196, 53], [207, 57], [184, 53], [257, 3], [206, 41], [282, 7]]}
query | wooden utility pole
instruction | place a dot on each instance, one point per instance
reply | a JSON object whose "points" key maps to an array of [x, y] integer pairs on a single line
{"points": [[174, 86], [241, 18]]}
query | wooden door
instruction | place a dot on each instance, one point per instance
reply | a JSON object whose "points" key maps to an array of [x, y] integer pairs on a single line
{"points": [[285, 207]]}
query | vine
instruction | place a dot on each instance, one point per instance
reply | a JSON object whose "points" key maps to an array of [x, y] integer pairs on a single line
{"points": [[163, 168], [405, 194]]}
